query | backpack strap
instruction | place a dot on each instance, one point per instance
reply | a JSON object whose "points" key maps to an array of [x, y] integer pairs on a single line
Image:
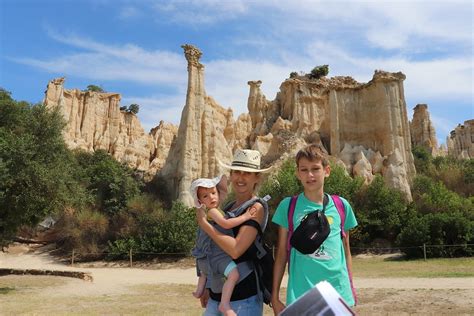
{"points": [[291, 212], [341, 209], [243, 208]]}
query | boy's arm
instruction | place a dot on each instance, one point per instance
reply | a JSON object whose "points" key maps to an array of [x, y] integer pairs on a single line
{"points": [[229, 223], [279, 269], [347, 251]]}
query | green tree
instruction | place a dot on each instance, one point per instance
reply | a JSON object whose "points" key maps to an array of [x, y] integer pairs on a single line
{"points": [[35, 176], [380, 211], [319, 72], [134, 108], [94, 88], [111, 183]]}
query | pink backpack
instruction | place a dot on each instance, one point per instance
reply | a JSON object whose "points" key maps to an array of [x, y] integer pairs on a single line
{"points": [[342, 213]]}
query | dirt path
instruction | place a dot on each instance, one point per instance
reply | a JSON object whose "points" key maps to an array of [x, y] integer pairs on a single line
{"points": [[117, 280]]}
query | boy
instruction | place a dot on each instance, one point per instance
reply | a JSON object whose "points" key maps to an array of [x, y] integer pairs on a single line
{"points": [[328, 262], [207, 193]]}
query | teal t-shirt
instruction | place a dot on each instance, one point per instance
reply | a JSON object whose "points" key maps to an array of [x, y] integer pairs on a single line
{"points": [[328, 262]]}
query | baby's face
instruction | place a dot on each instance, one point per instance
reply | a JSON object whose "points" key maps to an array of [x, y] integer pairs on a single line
{"points": [[208, 196]]}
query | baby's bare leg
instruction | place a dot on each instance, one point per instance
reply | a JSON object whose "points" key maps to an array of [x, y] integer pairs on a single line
{"points": [[227, 289], [200, 286]]}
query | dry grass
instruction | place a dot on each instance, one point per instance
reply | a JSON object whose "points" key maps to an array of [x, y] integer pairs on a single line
{"points": [[394, 267], [31, 295], [41, 295]]}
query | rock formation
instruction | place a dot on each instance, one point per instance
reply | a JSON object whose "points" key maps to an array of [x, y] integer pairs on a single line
{"points": [[460, 142], [95, 121], [348, 118], [422, 130], [203, 136], [364, 125]]}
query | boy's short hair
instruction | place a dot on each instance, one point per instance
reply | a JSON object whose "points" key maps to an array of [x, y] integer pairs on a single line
{"points": [[313, 152]]}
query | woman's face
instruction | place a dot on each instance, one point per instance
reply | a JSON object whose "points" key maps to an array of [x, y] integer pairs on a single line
{"points": [[243, 182]]}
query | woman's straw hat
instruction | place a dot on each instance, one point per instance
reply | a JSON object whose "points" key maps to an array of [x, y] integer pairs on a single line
{"points": [[246, 160]]}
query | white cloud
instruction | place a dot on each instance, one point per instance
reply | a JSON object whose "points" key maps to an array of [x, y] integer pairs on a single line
{"points": [[197, 12], [226, 81], [156, 108], [113, 62], [129, 12]]}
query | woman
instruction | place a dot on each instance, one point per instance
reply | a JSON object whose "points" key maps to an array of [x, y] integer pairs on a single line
{"points": [[244, 176]]}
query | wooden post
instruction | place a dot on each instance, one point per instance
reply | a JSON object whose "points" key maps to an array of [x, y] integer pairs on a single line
{"points": [[131, 260], [424, 251], [72, 258]]}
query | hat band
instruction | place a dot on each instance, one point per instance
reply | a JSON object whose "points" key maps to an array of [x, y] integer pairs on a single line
{"points": [[245, 164]]}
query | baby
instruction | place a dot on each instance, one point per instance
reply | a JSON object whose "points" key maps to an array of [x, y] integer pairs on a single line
{"points": [[208, 193]]}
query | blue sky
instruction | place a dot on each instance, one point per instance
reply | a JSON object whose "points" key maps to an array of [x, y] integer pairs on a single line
{"points": [[133, 48]]}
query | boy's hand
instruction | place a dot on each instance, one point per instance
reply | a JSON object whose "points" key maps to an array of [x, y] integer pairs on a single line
{"points": [[277, 306]]}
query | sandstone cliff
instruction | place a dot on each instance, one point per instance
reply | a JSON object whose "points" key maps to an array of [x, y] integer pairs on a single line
{"points": [[94, 121], [364, 125], [460, 142], [422, 130]]}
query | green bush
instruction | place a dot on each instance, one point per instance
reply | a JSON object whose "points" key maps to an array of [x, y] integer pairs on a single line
{"points": [[109, 182], [319, 72], [432, 196], [94, 88], [380, 211], [171, 232], [441, 232]]}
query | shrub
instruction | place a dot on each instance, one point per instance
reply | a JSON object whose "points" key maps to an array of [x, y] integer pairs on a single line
{"points": [[432, 196], [440, 231], [94, 88], [319, 72], [161, 232], [380, 210], [111, 183], [85, 231]]}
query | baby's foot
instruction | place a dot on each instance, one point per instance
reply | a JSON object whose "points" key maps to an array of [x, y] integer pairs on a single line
{"points": [[226, 309]]}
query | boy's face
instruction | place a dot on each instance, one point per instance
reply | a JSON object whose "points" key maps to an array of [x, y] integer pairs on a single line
{"points": [[311, 173], [208, 197]]}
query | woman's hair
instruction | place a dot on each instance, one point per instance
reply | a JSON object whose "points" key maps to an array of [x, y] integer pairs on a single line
{"points": [[313, 152]]}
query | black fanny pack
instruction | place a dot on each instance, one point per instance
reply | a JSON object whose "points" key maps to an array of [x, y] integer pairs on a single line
{"points": [[312, 231]]}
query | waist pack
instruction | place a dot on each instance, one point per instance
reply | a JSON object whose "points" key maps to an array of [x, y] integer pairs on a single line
{"points": [[312, 232]]}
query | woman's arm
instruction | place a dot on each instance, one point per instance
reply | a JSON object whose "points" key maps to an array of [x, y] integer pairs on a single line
{"points": [[279, 270], [234, 247], [229, 223]]}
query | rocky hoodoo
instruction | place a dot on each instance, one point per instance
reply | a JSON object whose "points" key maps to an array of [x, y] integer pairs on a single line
{"points": [[95, 121], [460, 142], [205, 132], [422, 130], [363, 124]]}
